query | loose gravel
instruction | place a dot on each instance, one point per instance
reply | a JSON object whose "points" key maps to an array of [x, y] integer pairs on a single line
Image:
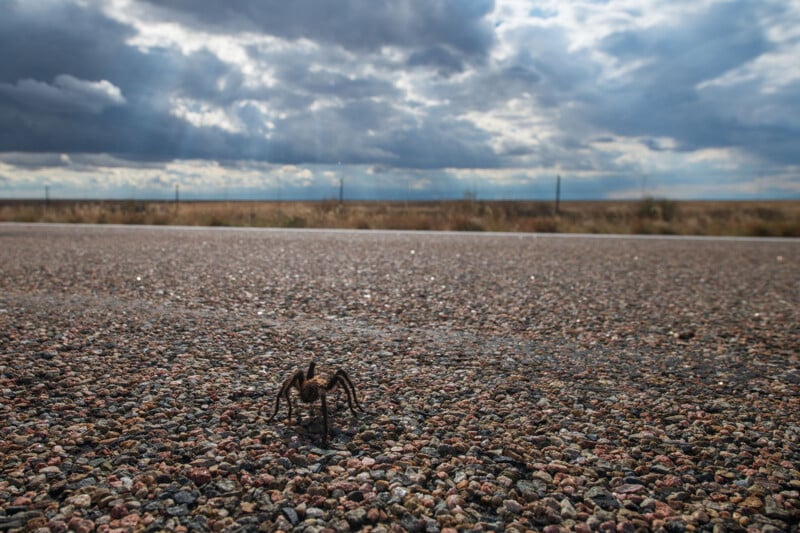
{"points": [[511, 382]]}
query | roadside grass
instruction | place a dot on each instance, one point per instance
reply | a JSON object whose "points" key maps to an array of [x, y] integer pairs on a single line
{"points": [[648, 216]]}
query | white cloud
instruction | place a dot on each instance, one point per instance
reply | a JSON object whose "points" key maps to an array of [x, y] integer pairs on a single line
{"points": [[203, 115]]}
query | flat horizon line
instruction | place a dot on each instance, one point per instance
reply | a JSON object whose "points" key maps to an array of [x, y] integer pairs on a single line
{"points": [[389, 200]]}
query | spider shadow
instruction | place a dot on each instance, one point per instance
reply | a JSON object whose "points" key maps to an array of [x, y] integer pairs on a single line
{"points": [[309, 428], [311, 388]]}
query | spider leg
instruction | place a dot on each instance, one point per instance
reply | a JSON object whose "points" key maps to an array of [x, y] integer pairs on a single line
{"points": [[289, 401], [296, 381], [310, 371], [336, 381], [281, 392], [322, 397], [342, 377], [299, 381]]}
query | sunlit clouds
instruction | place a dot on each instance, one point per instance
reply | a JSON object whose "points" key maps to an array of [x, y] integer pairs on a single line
{"points": [[412, 99]]}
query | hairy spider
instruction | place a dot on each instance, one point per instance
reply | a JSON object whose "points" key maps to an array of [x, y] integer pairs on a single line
{"points": [[312, 388]]}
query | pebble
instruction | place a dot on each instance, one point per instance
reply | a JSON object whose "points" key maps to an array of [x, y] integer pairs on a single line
{"points": [[568, 510], [356, 517], [512, 506], [508, 382]]}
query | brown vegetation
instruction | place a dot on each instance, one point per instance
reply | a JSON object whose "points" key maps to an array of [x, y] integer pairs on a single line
{"points": [[648, 216]]}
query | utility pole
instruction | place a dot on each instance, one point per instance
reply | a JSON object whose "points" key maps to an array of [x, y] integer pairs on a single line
{"points": [[341, 190]]}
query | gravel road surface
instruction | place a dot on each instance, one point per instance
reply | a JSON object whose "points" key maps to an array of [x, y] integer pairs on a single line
{"points": [[515, 382]]}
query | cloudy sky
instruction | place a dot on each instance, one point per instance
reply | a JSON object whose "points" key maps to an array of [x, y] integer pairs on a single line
{"points": [[429, 99]]}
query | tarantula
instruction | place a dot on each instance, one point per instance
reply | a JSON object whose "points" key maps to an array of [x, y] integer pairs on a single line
{"points": [[312, 388]]}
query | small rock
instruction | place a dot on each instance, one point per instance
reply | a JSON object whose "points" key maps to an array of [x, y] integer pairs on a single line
{"points": [[675, 526], [700, 517], [185, 497], [512, 506], [773, 509], [57, 526], [373, 515], [602, 497], [291, 515], [399, 493], [356, 517], [18, 519], [80, 500], [411, 523], [568, 510], [178, 510], [454, 500], [629, 488], [81, 525], [118, 511], [199, 475], [314, 512], [130, 521], [355, 496], [529, 490], [226, 486]]}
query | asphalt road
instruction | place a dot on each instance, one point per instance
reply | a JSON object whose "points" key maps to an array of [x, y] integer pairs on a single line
{"points": [[509, 380]]}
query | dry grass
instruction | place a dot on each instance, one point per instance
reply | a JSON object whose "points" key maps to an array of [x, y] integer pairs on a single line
{"points": [[649, 216]]}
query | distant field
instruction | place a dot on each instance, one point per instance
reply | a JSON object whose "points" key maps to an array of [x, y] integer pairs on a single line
{"points": [[648, 216]]}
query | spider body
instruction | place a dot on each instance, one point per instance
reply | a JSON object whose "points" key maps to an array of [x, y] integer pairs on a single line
{"points": [[311, 388]]}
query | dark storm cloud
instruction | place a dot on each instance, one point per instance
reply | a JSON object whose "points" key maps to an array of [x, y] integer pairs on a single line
{"points": [[61, 38], [326, 82], [662, 94], [443, 60], [370, 132], [700, 48], [66, 93], [488, 88], [446, 144], [30, 160], [409, 85], [663, 97], [362, 25], [79, 87]]}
